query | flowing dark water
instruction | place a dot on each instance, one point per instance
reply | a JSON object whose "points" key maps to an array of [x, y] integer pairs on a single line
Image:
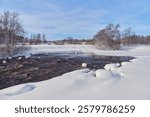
{"points": [[40, 67]]}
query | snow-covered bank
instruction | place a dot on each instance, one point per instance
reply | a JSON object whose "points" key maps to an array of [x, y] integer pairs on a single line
{"points": [[130, 81]]}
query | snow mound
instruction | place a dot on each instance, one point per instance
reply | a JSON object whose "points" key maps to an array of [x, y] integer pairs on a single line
{"points": [[9, 57], [19, 58], [117, 74], [124, 63], [20, 90], [107, 74], [92, 73], [111, 67], [133, 60], [28, 55], [84, 65], [4, 61], [103, 74]]}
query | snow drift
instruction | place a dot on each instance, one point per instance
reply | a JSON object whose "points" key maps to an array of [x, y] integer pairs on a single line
{"points": [[130, 80]]}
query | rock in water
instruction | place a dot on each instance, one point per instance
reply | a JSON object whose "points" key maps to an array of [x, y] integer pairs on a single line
{"points": [[19, 58], [9, 57], [84, 65], [4, 61]]}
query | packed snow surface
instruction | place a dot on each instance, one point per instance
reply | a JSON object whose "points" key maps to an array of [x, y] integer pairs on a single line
{"points": [[128, 80]]}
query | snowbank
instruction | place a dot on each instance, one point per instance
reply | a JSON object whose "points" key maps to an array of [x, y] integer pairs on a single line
{"points": [[103, 74], [130, 81], [112, 66]]}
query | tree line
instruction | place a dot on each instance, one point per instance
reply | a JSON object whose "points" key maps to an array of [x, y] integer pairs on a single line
{"points": [[111, 37], [12, 35], [71, 40], [36, 39], [11, 32]]}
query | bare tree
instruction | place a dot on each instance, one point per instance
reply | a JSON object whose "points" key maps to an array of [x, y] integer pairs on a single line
{"points": [[38, 37], [11, 27], [126, 35], [108, 38], [44, 38]]}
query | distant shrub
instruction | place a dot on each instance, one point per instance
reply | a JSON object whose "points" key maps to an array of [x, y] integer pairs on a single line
{"points": [[10, 52]]}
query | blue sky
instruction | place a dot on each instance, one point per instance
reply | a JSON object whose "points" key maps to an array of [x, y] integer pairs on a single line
{"points": [[79, 18]]}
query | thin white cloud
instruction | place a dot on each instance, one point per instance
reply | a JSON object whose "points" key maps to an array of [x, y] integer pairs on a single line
{"points": [[54, 18], [59, 21]]}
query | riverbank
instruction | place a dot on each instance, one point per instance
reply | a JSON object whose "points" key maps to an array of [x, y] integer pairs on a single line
{"points": [[130, 81]]}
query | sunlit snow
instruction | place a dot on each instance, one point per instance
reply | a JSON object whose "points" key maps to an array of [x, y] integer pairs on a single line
{"points": [[130, 80]]}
